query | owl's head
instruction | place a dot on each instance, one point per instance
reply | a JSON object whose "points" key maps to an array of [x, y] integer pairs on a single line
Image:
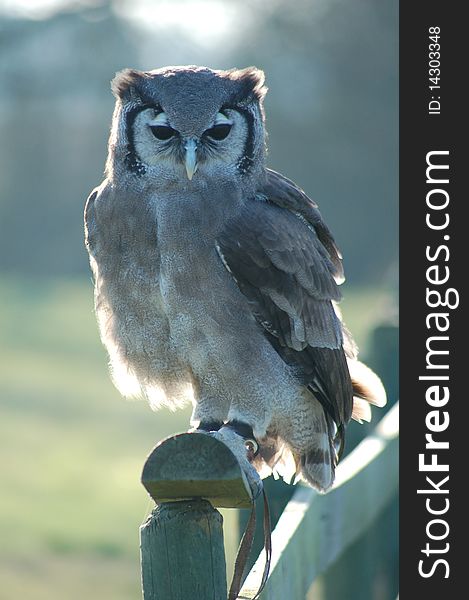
{"points": [[187, 122]]}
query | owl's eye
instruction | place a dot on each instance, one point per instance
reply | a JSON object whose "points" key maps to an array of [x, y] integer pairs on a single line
{"points": [[162, 132], [218, 132]]}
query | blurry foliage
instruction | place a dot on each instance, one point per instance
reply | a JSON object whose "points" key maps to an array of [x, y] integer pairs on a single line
{"points": [[70, 448], [331, 66]]}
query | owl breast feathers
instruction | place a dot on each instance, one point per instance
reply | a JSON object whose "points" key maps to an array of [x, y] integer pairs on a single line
{"points": [[216, 278]]}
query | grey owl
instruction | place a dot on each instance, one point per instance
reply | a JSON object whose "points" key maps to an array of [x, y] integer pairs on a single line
{"points": [[216, 278]]}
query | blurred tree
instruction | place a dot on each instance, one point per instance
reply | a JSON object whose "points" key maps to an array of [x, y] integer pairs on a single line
{"points": [[55, 109], [332, 69]]}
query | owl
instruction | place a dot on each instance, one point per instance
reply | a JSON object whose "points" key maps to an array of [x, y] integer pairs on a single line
{"points": [[216, 278]]}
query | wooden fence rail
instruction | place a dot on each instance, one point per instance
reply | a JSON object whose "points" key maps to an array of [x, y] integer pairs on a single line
{"points": [[315, 529]]}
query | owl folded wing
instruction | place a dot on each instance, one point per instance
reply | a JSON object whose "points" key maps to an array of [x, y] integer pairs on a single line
{"points": [[286, 263]]}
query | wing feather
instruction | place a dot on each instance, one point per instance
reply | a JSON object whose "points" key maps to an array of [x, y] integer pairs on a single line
{"points": [[287, 264]]}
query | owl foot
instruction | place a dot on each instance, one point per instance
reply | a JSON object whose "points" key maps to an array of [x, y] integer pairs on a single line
{"points": [[208, 426], [245, 431], [244, 450]]}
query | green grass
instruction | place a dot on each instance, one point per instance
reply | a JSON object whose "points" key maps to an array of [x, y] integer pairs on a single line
{"points": [[71, 449]]}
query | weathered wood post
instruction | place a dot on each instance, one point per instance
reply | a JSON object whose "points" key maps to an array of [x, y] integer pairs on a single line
{"points": [[182, 552], [181, 543]]}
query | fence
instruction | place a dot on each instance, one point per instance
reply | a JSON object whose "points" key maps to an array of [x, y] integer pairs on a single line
{"points": [[314, 529], [182, 543]]}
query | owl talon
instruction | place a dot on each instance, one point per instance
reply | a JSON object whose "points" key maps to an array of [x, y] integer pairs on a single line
{"points": [[252, 448], [209, 426], [245, 431], [237, 444]]}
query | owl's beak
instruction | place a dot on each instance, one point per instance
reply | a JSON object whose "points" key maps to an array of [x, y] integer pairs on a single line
{"points": [[191, 159]]}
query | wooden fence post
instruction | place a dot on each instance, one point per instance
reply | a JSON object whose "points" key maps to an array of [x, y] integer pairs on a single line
{"points": [[181, 543], [182, 552]]}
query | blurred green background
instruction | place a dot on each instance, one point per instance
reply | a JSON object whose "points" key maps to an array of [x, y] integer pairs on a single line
{"points": [[71, 450]]}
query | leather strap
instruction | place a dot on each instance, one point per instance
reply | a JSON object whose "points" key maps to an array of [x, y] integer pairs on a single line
{"points": [[267, 545], [245, 549]]}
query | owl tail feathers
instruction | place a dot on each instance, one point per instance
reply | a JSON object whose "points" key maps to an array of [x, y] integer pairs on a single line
{"points": [[367, 389], [315, 466]]}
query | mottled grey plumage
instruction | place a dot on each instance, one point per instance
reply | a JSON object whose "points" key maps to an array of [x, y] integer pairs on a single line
{"points": [[215, 277]]}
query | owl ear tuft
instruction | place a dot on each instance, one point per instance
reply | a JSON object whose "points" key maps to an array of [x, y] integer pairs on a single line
{"points": [[251, 81], [124, 84]]}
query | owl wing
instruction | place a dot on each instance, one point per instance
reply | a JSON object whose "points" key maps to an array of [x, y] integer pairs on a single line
{"points": [[285, 262]]}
